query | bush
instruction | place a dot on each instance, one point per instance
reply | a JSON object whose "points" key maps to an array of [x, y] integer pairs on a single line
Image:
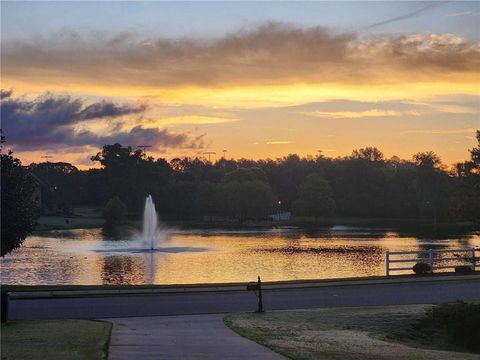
{"points": [[463, 269], [18, 208], [421, 268], [460, 321], [115, 212]]}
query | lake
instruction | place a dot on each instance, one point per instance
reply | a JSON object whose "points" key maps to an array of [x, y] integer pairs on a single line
{"points": [[87, 257]]}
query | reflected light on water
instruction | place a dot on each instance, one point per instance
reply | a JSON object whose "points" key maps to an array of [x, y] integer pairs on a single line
{"points": [[211, 256]]}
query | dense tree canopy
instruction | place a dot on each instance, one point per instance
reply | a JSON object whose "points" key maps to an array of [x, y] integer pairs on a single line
{"points": [[115, 212], [315, 197], [365, 184], [19, 210], [468, 189], [128, 174], [243, 193]]}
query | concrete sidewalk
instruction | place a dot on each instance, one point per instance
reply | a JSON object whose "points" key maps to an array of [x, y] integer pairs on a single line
{"points": [[181, 337]]}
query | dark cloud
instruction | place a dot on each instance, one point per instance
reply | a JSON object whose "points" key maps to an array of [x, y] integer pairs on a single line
{"points": [[139, 135], [4, 94], [268, 54], [108, 109], [50, 120]]}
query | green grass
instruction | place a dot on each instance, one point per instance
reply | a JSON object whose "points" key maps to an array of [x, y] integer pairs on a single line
{"points": [[55, 339], [45, 223], [92, 217], [83, 218], [347, 333]]}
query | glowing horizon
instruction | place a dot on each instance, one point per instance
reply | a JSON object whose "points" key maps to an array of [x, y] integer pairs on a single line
{"points": [[276, 85]]}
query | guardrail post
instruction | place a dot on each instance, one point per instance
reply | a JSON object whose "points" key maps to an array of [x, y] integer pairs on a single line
{"points": [[430, 259], [387, 263]]}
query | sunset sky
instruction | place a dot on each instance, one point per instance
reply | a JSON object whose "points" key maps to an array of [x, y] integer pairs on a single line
{"points": [[259, 79]]}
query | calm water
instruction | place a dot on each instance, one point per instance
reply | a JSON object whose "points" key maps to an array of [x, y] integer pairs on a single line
{"points": [[206, 256]]}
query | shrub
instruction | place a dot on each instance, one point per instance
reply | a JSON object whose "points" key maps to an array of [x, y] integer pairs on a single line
{"points": [[421, 268], [460, 321], [115, 212], [463, 269], [18, 209]]}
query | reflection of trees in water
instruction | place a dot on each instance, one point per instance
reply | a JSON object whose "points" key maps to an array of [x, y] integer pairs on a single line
{"points": [[117, 270], [42, 271], [116, 232], [349, 232], [150, 266], [300, 249], [426, 232]]}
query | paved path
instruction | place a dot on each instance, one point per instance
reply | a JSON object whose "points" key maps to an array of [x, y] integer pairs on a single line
{"points": [[181, 337], [188, 303]]}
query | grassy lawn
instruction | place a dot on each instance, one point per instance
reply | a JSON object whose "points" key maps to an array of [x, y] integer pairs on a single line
{"points": [[45, 223], [348, 333], [83, 218], [55, 339]]}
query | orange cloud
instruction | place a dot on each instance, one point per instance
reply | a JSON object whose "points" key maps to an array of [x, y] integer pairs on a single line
{"points": [[359, 114]]}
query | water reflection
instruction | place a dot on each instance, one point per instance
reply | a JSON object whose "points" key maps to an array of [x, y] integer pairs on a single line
{"points": [[117, 270], [90, 256]]}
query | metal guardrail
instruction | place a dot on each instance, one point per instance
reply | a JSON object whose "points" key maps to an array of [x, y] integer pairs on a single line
{"points": [[467, 256]]}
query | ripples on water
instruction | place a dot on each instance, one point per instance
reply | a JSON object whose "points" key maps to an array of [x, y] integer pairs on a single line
{"points": [[84, 256]]}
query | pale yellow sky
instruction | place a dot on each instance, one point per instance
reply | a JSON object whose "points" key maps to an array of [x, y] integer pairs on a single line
{"points": [[263, 92]]}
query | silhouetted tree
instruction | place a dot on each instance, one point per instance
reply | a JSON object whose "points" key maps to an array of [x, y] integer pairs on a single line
{"points": [[19, 211], [368, 153], [126, 173], [432, 186], [243, 193], [115, 212], [61, 179], [364, 184], [246, 199], [468, 173], [427, 160], [315, 197]]}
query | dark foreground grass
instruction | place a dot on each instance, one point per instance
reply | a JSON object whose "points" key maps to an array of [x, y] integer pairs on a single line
{"points": [[55, 339], [388, 333], [454, 326]]}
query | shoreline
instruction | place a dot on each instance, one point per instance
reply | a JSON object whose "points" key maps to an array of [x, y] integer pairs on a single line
{"points": [[47, 223], [72, 290]]}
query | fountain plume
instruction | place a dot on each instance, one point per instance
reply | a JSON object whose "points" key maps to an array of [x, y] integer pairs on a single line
{"points": [[152, 233]]}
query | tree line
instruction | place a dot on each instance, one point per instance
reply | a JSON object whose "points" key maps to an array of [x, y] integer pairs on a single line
{"points": [[364, 184]]}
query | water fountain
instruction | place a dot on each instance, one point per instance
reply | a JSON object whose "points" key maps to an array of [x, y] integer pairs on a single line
{"points": [[150, 223], [152, 234], [151, 239]]}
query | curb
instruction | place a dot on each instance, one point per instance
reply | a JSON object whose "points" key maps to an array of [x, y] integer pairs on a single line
{"points": [[274, 286]]}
